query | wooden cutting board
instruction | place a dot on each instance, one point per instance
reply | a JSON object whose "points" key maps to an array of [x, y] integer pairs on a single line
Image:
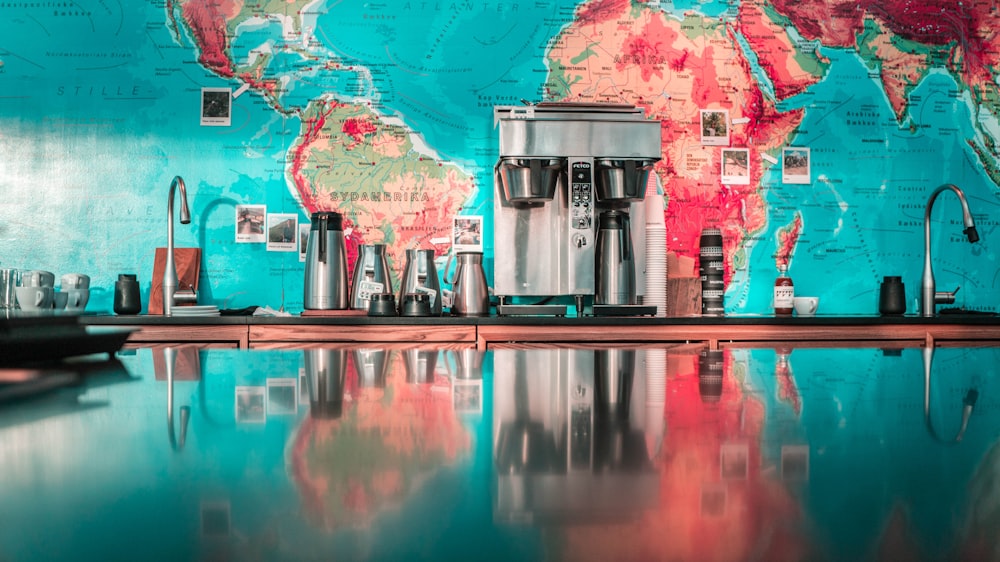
{"points": [[188, 264]]}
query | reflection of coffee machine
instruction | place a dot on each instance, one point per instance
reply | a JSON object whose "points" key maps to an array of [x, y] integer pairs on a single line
{"points": [[568, 178], [569, 436]]}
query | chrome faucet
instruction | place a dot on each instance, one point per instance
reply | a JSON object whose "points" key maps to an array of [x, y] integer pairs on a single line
{"points": [[929, 297], [170, 270], [170, 359], [968, 403]]}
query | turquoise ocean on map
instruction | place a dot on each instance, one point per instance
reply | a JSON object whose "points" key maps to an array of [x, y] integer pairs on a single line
{"points": [[848, 109]]}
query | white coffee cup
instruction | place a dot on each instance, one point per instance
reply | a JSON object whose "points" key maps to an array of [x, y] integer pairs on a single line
{"points": [[76, 299], [34, 298], [75, 281], [38, 278], [805, 306]]}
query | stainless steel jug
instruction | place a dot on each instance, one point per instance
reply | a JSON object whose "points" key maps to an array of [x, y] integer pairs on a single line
{"points": [[420, 276], [325, 286], [615, 283], [469, 296], [371, 275]]}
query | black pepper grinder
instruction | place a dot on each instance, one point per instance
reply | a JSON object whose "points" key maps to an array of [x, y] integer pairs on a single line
{"points": [[892, 296], [127, 300]]}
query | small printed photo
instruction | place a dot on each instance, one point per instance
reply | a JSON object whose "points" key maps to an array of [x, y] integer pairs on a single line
{"points": [[303, 387], [216, 107], [467, 234], [282, 396], [467, 397], [303, 240], [795, 166], [250, 404], [795, 462], [250, 223], [282, 231], [734, 461], [715, 127], [216, 520], [736, 166]]}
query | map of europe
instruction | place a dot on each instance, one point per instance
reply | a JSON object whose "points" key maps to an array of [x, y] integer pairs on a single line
{"points": [[384, 113]]}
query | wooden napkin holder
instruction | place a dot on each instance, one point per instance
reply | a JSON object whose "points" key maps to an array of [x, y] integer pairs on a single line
{"points": [[187, 261]]}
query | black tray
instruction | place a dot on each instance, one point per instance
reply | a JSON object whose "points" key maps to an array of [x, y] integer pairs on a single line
{"points": [[55, 342]]}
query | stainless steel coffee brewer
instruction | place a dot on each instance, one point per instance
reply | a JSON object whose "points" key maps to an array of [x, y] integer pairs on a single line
{"points": [[563, 166]]}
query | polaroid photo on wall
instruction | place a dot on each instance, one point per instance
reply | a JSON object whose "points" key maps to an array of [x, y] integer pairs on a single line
{"points": [[282, 396], [714, 497], [216, 107], [250, 223], [795, 166], [303, 240], [735, 166], [715, 127], [467, 233], [250, 404], [282, 232]]}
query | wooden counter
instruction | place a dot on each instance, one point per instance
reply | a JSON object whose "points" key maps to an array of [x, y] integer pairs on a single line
{"points": [[743, 331]]}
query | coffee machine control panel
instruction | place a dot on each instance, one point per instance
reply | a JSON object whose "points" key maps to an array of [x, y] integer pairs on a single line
{"points": [[581, 195]]}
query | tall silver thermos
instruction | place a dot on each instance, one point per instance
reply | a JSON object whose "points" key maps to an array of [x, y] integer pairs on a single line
{"points": [[420, 276], [325, 286], [615, 263]]}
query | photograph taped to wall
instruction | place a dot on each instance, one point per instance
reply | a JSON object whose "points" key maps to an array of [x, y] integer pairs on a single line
{"points": [[735, 166], [734, 461], [715, 127], [467, 233], [282, 231], [795, 166], [303, 240], [467, 397], [216, 107], [250, 223]]}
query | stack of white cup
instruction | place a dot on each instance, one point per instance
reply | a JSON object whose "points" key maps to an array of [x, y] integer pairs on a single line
{"points": [[656, 248]]}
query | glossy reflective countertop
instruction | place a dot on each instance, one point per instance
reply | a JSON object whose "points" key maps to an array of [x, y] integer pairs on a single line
{"points": [[367, 454]]}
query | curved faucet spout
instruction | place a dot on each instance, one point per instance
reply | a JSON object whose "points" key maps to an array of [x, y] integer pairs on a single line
{"points": [[170, 358], [968, 403], [929, 297], [170, 269]]}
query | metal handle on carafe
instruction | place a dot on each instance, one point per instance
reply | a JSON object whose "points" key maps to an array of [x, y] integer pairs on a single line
{"points": [[322, 237], [447, 266]]}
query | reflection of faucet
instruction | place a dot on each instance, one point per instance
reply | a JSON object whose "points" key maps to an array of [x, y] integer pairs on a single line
{"points": [[929, 298], [968, 403], [169, 358], [170, 270]]}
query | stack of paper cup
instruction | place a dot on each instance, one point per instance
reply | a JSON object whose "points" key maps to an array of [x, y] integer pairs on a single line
{"points": [[656, 254], [711, 270]]}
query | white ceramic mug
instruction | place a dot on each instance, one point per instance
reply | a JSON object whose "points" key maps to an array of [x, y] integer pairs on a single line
{"points": [[74, 281], [806, 306], [76, 299], [38, 278], [34, 298]]}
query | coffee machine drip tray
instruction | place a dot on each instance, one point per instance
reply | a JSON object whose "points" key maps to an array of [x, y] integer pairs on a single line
{"points": [[624, 310], [532, 310]]}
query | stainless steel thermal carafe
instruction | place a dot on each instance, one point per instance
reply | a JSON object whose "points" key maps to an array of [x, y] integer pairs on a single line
{"points": [[371, 275], [470, 295], [325, 286], [420, 276], [615, 283]]}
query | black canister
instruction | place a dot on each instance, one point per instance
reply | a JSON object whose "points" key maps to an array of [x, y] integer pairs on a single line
{"points": [[127, 300], [892, 296]]}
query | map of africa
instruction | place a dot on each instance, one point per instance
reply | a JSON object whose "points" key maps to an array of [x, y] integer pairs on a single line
{"points": [[384, 112]]}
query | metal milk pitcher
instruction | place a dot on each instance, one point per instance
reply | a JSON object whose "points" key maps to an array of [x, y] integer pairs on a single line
{"points": [[470, 295], [420, 276], [371, 275], [325, 286]]}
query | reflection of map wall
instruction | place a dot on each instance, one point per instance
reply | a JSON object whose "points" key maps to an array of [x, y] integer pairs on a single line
{"points": [[383, 112]]}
